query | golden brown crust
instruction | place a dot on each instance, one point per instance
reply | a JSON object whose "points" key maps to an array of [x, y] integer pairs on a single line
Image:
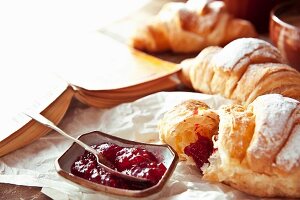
{"points": [[183, 124], [184, 74], [286, 81], [258, 147], [243, 70], [146, 39], [206, 71], [251, 78], [190, 27], [236, 130]]}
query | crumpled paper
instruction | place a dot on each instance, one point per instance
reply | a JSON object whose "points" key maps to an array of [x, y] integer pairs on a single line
{"points": [[34, 164]]}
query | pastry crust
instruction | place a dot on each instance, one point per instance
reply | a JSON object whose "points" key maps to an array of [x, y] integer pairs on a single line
{"points": [[258, 149], [183, 124], [239, 124], [265, 160], [273, 124], [243, 70], [190, 27]]}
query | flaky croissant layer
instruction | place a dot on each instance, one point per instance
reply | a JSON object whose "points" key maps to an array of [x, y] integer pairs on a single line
{"points": [[243, 70], [183, 125], [258, 149]]}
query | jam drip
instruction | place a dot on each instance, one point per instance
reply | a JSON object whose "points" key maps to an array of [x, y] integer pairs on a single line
{"points": [[200, 151], [132, 161]]}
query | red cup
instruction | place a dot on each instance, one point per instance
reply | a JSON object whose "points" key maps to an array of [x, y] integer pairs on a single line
{"points": [[285, 31]]}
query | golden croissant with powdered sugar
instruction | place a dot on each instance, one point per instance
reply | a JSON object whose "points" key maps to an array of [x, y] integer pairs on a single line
{"points": [[256, 149], [243, 70]]}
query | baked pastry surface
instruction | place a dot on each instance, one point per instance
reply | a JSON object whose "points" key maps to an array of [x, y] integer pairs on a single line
{"points": [[187, 121], [190, 27], [257, 146], [243, 70]]}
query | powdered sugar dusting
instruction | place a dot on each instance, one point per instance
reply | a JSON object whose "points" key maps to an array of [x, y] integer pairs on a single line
{"points": [[232, 53], [289, 156], [272, 113]]}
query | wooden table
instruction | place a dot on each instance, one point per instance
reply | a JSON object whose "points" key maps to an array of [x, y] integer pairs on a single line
{"points": [[9, 191]]}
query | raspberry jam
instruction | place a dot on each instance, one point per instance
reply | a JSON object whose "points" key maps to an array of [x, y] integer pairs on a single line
{"points": [[129, 160], [200, 151]]}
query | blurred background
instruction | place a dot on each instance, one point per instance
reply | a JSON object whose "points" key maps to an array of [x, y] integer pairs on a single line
{"points": [[42, 34]]}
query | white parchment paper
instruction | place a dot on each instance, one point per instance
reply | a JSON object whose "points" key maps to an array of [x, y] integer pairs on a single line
{"points": [[34, 164]]}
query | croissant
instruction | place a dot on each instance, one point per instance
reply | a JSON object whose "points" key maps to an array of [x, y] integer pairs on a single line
{"points": [[185, 123], [243, 70], [256, 149], [190, 27]]}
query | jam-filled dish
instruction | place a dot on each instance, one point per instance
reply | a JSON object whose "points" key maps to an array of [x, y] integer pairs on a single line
{"points": [[153, 162], [133, 161]]}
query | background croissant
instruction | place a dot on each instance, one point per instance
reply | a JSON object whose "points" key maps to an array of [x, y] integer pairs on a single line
{"points": [[243, 70], [190, 27]]}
